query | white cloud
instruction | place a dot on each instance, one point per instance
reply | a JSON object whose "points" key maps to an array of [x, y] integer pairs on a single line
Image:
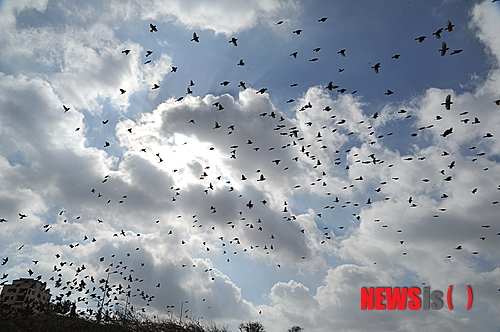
{"points": [[46, 167], [222, 16]]}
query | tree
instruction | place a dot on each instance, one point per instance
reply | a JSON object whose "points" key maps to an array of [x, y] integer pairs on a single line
{"points": [[295, 328], [251, 327]]}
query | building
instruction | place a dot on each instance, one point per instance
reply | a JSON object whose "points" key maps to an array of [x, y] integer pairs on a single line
{"points": [[25, 294]]}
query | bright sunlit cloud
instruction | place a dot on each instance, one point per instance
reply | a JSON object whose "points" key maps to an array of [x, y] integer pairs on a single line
{"points": [[262, 178]]}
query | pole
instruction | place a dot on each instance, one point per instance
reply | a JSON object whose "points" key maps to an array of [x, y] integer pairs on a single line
{"points": [[103, 297]]}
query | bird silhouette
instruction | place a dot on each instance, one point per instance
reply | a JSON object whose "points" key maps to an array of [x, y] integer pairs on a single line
{"points": [[233, 41], [421, 38], [152, 28], [438, 33], [443, 48], [447, 103], [330, 86], [449, 26], [195, 38], [376, 67], [447, 132]]}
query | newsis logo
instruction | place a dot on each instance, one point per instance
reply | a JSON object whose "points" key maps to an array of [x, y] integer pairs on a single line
{"points": [[402, 298]]}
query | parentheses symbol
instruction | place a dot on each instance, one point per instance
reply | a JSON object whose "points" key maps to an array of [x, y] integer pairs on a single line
{"points": [[470, 297], [448, 298]]}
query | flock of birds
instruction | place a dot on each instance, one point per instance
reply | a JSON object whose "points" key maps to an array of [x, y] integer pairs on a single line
{"points": [[99, 291]]}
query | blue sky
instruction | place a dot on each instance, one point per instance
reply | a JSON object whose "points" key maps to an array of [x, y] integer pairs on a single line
{"points": [[337, 201]]}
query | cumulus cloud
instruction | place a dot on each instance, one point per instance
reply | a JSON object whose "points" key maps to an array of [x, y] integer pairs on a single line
{"points": [[238, 15], [191, 186]]}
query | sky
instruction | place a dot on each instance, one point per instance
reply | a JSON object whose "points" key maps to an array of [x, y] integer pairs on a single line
{"points": [[274, 197]]}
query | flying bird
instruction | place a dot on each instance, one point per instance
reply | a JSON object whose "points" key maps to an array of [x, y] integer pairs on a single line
{"points": [[447, 103], [421, 38], [438, 33], [376, 67], [152, 28], [447, 132], [323, 19], [456, 52], [443, 49], [126, 52], [66, 108], [449, 26], [297, 32], [241, 63], [330, 86], [233, 41], [195, 38]]}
